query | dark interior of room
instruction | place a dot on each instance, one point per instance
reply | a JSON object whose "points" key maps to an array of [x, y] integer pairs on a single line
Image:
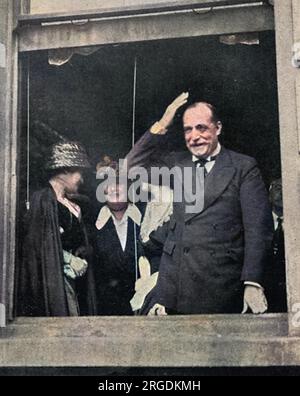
{"points": [[90, 98]]}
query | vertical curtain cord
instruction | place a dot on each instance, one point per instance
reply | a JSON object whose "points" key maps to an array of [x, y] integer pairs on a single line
{"points": [[28, 138], [132, 143]]}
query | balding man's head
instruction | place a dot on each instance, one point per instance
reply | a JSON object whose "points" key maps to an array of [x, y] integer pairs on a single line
{"points": [[205, 105]]}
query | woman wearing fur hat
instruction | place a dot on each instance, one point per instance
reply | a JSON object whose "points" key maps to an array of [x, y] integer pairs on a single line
{"points": [[54, 267]]}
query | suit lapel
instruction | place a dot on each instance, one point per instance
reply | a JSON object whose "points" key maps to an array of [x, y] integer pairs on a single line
{"points": [[219, 178], [216, 181], [188, 170]]}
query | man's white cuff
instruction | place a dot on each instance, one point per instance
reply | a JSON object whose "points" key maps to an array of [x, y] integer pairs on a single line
{"points": [[247, 283]]}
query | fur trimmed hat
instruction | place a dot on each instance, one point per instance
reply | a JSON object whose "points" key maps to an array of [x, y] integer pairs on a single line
{"points": [[68, 155]]}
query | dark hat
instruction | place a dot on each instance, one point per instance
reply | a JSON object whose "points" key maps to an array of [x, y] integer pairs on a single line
{"points": [[68, 155]]}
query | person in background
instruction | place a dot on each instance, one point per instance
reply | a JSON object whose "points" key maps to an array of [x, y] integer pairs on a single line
{"points": [[54, 276], [116, 248], [275, 278], [126, 263]]}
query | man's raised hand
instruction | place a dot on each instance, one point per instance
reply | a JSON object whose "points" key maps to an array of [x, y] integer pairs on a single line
{"points": [[171, 110]]}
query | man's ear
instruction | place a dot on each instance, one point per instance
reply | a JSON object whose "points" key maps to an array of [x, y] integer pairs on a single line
{"points": [[219, 126]]}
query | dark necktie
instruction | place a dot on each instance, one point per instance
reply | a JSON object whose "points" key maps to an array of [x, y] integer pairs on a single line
{"points": [[201, 162]]}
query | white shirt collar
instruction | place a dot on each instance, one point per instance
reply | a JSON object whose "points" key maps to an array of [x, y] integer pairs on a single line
{"points": [[105, 214], [216, 152]]}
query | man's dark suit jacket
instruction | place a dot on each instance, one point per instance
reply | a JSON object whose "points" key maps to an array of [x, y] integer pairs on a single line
{"points": [[208, 255]]}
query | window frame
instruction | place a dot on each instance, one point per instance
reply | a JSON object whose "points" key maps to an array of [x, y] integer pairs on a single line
{"points": [[32, 37]]}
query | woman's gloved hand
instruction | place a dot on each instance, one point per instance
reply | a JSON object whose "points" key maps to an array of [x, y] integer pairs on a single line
{"points": [[74, 267]]}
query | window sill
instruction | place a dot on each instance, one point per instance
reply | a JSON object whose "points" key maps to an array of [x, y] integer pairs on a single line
{"points": [[185, 341]]}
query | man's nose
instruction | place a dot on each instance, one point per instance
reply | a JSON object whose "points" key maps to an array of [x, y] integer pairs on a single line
{"points": [[195, 135]]}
